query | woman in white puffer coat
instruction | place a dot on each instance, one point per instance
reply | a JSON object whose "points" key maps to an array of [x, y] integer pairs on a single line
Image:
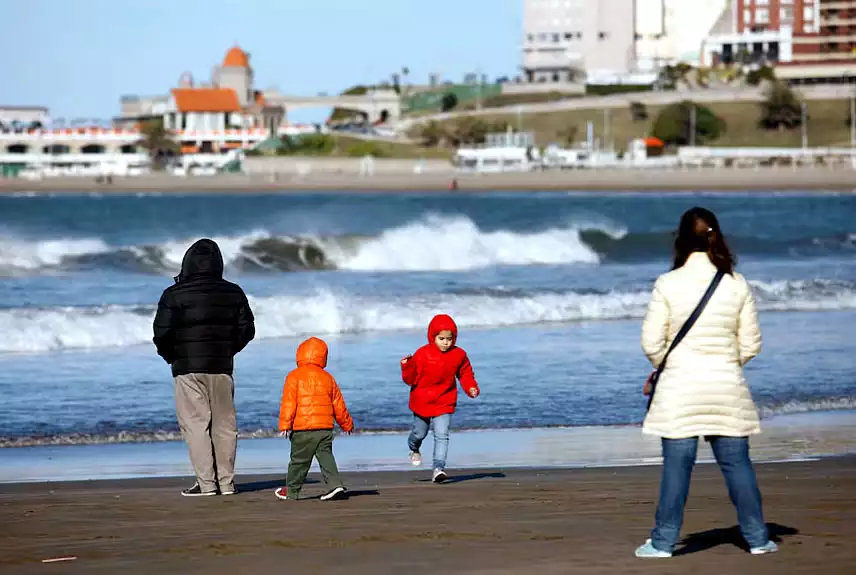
{"points": [[702, 391]]}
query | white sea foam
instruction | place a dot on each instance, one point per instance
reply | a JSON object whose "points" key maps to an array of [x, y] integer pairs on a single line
{"points": [[327, 312], [28, 255], [433, 242], [456, 243]]}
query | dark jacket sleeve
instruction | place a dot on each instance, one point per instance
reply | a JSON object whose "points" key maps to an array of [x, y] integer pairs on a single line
{"points": [[246, 327], [164, 328]]}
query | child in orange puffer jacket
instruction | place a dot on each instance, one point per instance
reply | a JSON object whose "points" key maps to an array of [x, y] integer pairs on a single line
{"points": [[311, 404]]}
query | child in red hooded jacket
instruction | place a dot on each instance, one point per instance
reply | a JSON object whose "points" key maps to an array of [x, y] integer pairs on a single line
{"points": [[431, 374]]}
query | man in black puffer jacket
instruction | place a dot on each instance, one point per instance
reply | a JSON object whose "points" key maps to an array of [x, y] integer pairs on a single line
{"points": [[201, 323]]}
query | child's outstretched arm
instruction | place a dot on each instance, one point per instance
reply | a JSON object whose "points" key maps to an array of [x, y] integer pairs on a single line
{"points": [[340, 410], [468, 378], [408, 370], [288, 405]]}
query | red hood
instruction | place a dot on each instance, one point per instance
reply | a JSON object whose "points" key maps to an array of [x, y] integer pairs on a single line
{"points": [[439, 323]]}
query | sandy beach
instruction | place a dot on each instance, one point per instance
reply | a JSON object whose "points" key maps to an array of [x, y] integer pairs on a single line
{"points": [[493, 521], [706, 179]]}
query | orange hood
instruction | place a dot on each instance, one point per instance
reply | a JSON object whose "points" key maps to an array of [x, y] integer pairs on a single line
{"points": [[313, 351], [440, 323]]}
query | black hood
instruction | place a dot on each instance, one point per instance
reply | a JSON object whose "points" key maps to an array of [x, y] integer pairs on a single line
{"points": [[202, 259]]}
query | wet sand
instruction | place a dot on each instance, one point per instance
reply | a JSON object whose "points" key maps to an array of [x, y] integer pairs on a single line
{"points": [[615, 180], [520, 521]]}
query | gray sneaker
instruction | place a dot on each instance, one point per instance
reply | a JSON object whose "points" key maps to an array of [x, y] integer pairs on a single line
{"points": [[439, 476]]}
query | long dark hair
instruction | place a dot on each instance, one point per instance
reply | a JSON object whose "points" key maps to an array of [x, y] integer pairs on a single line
{"points": [[699, 232]]}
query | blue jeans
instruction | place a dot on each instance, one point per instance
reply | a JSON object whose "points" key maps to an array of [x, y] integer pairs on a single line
{"points": [[732, 455], [419, 432]]}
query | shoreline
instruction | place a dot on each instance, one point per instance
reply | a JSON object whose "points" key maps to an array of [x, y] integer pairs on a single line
{"points": [[804, 179], [801, 436], [497, 521]]}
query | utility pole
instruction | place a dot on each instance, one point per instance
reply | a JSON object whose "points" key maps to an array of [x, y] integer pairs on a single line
{"points": [[606, 128], [693, 125], [853, 119], [853, 128], [479, 88]]}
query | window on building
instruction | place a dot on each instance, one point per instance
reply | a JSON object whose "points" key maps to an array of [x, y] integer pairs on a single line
{"points": [[808, 13], [602, 35], [569, 35], [762, 2], [542, 37], [762, 16], [556, 38], [747, 16], [530, 37], [579, 35], [555, 76], [786, 15], [773, 52]]}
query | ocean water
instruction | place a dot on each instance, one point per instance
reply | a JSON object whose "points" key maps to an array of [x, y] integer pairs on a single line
{"points": [[548, 290]]}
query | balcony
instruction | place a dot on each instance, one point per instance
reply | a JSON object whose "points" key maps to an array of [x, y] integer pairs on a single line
{"points": [[825, 39], [837, 5]]}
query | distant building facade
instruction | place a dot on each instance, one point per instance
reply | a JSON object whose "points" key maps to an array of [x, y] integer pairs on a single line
{"points": [[810, 40], [565, 40], [671, 31]]}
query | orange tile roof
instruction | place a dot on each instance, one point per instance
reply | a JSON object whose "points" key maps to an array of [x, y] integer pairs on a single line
{"points": [[206, 100], [236, 58]]}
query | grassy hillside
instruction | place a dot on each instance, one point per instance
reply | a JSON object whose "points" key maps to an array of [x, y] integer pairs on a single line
{"points": [[827, 125]]}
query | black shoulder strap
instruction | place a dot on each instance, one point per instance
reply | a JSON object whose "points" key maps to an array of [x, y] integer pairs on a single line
{"points": [[687, 326]]}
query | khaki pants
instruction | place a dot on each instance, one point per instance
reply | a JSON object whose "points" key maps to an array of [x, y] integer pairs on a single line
{"points": [[205, 405]]}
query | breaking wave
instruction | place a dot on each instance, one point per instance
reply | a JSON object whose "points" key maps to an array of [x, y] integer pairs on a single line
{"points": [[433, 242], [328, 312]]}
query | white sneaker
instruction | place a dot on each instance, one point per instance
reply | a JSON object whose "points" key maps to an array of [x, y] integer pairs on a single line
{"points": [[439, 476], [335, 493], [648, 551], [768, 547], [415, 458]]}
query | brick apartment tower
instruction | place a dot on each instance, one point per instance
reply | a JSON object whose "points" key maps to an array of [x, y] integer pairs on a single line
{"points": [[823, 31]]}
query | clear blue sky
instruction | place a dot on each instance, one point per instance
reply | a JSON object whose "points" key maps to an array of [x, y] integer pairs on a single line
{"points": [[77, 57]]}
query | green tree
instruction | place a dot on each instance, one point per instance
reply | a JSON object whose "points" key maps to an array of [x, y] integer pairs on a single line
{"points": [[758, 75], [430, 134], [448, 102], [638, 111], [781, 110], [674, 124], [158, 142], [568, 134]]}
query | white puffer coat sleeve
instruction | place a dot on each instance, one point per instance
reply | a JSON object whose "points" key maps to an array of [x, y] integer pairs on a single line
{"points": [[702, 390]]}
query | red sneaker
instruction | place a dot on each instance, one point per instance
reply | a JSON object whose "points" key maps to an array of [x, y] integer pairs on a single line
{"points": [[281, 493]]}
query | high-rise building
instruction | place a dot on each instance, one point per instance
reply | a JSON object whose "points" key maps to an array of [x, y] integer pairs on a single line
{"points": [[565, 40], [671, 31], [803, 39]]}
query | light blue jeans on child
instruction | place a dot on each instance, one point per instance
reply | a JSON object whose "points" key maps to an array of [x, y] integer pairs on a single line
{"points": [[732, 455], [440, 424]]}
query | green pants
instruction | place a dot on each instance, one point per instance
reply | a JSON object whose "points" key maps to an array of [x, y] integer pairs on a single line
{"points": [[304, 446]]}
